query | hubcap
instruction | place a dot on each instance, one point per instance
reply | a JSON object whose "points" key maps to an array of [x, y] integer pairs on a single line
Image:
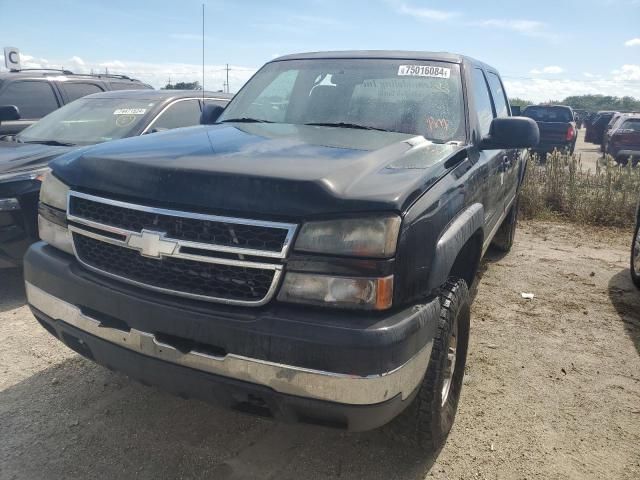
{"points": [[450, 365], [636, 253]]}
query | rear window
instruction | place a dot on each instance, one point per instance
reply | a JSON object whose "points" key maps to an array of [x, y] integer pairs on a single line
{"points": [[548, 114], [632, 125], [78, 90]]}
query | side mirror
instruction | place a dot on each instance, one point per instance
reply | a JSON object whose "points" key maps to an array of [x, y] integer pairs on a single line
{"points": [[156, 130], [511, 132], [516, 110], [8, 113], [210, 113]]}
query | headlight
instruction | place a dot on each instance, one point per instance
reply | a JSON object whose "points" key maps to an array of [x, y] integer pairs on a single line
{"points": [[343, 292], [55, 235], [362, 237], [54, 193], [9, 204], [36, 174], [52, 221]]}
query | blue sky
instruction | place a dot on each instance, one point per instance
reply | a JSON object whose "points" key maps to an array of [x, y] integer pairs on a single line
{"points": [[544, 49]]}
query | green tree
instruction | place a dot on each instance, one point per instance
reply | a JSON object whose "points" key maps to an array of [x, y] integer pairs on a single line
{"points": [[591, 103], [183, 86], [519, 102]]}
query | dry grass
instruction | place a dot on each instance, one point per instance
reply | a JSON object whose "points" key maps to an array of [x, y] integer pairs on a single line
{"points": [[560, 187]]}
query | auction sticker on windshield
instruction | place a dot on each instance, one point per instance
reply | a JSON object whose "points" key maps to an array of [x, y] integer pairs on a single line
{"points": [[424, 71], [130, 111]]}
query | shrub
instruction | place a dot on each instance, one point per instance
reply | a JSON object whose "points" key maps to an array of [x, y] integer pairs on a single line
{"points": [[559, 187]]}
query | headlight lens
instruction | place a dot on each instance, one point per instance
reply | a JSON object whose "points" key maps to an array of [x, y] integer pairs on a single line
{"points": [[36, 174], [363, 237], [55, 235], [53, 192], [343, 292]]}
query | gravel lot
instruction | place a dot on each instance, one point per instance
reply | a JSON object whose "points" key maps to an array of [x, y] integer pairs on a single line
{"points": [[590, 154], [552, 390]]}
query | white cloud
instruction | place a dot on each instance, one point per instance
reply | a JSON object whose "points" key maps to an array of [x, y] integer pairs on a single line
{"points": [[427, 13], [627, 73], [634, 42], [76, 61], [621, 82], [551, 69], [531, 28], [588, 75]]}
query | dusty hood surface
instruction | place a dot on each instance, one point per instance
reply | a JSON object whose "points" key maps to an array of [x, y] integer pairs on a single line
{"points": [[16, 157], [261, 169]]}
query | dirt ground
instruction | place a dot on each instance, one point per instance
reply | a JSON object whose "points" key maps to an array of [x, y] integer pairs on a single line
{"points": [[552, 391], [590, 154]]}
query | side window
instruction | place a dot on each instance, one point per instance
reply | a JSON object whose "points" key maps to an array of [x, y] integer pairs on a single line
{"points": [[499, 96], [272, 103], [34, 98], [75, 90], [127, 86], [182, 113], [483, 101]]}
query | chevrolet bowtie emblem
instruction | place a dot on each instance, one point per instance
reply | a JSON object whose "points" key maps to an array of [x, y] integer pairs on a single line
{"points": [[151, 244]]}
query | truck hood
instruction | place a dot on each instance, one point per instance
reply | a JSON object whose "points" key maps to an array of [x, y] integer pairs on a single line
{"points": [[16, 157], [259, 170]]}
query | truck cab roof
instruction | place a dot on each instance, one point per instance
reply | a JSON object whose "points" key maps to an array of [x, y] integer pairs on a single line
{"points": [[386, 54]]}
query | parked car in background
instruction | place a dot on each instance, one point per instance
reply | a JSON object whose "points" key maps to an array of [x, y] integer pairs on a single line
{"points": [[580, 117], [605, 136], [623, 141], [595, 130], [309, 258], [38, 92], [97, 118], [557, 127]]}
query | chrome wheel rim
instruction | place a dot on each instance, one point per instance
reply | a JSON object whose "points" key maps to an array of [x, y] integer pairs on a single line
{"points": [[450, 362], [636, 253]]}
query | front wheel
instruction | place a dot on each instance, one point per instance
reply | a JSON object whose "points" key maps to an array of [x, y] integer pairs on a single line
{"points": [[427, 421], [635, 255]]}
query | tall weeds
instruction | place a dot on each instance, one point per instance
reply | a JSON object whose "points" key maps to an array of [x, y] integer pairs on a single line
{"points": [[560, 187]]}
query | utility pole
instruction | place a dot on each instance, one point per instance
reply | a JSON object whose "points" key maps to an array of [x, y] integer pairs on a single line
{"points": [[203, 53], [227, 78]]}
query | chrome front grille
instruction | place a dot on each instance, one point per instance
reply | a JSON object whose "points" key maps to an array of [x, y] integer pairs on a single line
{"points": [[213, 258]]}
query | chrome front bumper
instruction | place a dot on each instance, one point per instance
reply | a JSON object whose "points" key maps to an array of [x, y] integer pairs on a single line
{"points": [[286, 379]]}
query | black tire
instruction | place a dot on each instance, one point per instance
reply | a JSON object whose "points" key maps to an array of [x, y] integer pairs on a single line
{"points": [[635, 273], [427, 421], [504, 237]]}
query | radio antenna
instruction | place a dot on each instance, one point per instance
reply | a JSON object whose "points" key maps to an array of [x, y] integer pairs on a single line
{"points": [[203, 54]]}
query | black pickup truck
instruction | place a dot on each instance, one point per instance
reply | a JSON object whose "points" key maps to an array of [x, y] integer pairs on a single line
{"points": [[308, 257], [557, 126]]}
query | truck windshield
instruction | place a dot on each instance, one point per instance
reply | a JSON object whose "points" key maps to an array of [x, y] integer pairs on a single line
{"points": [[548, 114], [87, 121], [407, 96]]}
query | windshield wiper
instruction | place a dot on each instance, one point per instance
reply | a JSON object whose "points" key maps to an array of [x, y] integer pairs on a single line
{"points": [[246, 120], [346, 125], [53, 143]]}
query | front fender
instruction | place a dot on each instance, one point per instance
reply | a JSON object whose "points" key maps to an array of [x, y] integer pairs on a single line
{"points": [[450, 243]]}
